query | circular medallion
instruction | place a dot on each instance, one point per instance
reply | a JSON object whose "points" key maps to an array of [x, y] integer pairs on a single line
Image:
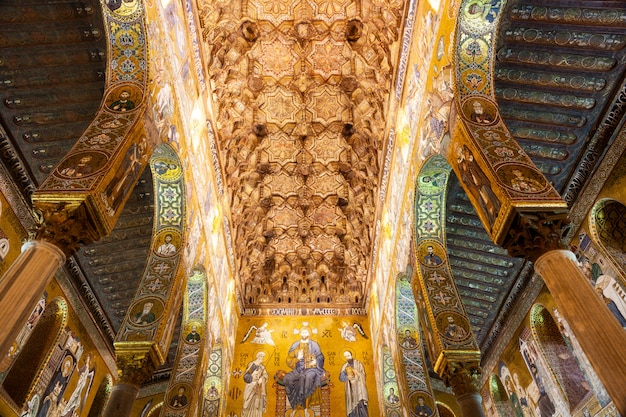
{"points": [[522, 178], [82, 164], [146, 311], [453, 326]]}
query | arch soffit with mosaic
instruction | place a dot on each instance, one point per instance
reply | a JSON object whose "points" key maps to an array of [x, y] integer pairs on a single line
{"points": [[155, 410], [442, 300], [481, 144], [540, 331], [213, 378], [103, 393], [442, 406], [500, 396], [414, 378], [151, 318], [193, 343], [93, 180], [496, 389], [58, 309]]}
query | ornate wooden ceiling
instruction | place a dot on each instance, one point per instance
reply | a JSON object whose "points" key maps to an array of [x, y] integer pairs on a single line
{"points": [[300, 91]]}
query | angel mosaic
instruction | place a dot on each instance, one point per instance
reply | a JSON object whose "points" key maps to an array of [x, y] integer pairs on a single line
{"points": [[348, 332], [262, 335]]}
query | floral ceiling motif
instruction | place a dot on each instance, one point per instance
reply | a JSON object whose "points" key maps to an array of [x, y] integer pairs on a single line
{"points": [[299, 90]]}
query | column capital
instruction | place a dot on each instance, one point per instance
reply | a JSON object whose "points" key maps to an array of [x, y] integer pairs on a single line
{"points": [[462, 377], [556, 255], [135, 366], [533, 234], [65, 225]]}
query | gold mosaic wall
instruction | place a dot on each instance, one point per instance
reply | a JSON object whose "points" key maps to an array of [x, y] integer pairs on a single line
{"points": [[275, 336], [72, 370]]}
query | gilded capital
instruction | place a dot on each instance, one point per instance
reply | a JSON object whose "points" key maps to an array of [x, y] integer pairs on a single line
{"points": [[134, 368], [462, 377], [533, 234], [65, 225]]}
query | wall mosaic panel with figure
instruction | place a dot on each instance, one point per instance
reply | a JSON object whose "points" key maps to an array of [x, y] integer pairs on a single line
{"points": [[542, 372], [72, 376], [310, 366]]}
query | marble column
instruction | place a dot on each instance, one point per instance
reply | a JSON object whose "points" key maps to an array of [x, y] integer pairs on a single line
{"points": [[599, 333], [134, 367], [22, 286], [464, 379], [471, 404], [121, 402]]}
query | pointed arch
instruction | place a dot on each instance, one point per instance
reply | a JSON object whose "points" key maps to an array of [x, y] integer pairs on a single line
{"points": [[490, 180], [607, 228], [447, 328], [444, 410], [507, 401], [560, 359], [109, 156], [23, 377], [23, 336], [583, 361], [154, 309], [501, 399], [101, 398], [155, 410]]}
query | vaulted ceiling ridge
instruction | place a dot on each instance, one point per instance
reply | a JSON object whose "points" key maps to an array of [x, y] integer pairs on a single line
{"points": [[300, 91]]}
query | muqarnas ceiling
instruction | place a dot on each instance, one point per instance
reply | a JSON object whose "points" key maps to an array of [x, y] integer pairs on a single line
{"points": [[300, 91]]}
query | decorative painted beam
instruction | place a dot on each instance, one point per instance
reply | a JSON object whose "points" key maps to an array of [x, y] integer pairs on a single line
{"points": [[513, 199], [83, 197]]}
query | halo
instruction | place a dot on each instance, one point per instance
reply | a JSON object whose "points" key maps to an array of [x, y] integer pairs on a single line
{"points": [[68, 359], [348, 350], [256, 352]]}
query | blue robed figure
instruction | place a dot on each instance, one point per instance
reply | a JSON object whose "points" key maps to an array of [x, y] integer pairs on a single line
{"points": [[306, 360]]}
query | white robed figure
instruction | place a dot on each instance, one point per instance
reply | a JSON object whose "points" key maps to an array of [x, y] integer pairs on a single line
{"points": [[254, 394], [77, 399], [353, 376]]}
